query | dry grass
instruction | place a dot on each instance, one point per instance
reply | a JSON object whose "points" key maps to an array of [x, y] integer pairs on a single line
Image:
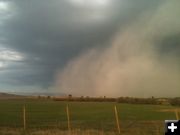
{"points": [[8, 131], [169, 110], [129, 131]]}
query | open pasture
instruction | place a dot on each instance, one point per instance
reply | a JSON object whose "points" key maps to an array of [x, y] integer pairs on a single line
{"points": [[48, 115]]}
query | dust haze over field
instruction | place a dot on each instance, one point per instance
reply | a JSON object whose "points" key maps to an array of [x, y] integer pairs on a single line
{"points": [[90, 47], [131, 64]]}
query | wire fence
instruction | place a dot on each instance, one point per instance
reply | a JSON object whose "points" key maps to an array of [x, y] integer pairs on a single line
{"points": [[30, 118], [68, 116]]}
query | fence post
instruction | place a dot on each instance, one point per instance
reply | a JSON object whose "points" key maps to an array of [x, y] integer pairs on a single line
{"points": [[176, 113], [68, 118], [24, 117], [117, 119]]}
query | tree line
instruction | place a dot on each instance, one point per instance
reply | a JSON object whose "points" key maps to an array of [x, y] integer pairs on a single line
{"points": [[129, 100]]}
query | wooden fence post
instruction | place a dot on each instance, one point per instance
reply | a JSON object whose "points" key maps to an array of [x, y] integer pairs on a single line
{"points": [[117, 119], [24, 117], [68, 118], [176, 113]]}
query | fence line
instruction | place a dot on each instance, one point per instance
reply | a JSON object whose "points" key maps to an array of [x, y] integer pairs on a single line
{"points": [[25, 122]]}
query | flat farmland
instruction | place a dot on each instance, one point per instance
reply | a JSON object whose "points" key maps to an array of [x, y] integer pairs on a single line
{"points": [[98, 116]]}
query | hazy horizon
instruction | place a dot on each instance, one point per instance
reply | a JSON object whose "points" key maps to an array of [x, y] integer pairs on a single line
{"points": [[107, 48]]}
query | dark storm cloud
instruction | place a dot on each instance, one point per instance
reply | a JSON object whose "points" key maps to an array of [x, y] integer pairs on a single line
{"points": [[48, 34], [140, 60]]}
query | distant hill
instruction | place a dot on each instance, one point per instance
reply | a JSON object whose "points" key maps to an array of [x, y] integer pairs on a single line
{"points": [[9, 96], [20, 95], [38, 94]]}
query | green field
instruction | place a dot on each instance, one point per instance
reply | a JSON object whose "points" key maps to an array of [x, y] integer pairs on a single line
{"points": [[48, 114]]}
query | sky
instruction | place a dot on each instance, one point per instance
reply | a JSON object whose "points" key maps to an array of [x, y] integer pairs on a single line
{"points": [[90, 47]]}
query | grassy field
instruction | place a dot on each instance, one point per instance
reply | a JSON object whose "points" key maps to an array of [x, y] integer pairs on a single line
{"points": [[86, 116]]}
